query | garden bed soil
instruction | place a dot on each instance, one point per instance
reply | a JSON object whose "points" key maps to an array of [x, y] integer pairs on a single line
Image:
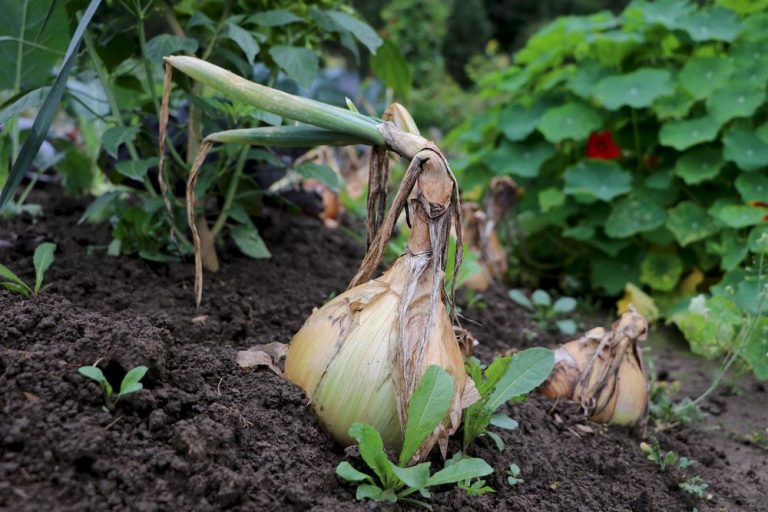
{"points": [[205, 435]]}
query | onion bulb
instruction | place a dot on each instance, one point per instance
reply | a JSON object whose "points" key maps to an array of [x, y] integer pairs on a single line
{"points": [[360, 356], [604, 372]]}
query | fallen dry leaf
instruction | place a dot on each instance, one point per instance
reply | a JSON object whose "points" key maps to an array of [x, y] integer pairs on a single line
{"points": [[262, 355]]}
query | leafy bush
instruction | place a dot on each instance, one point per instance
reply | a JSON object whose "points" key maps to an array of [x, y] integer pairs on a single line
{"points": [[641, 140]]}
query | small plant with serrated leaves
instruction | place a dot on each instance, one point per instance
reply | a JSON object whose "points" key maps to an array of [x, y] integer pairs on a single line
{"points": [[131, 383], [398, 482], [666, 461], [42, 259], [506, 378], [550, 316]]}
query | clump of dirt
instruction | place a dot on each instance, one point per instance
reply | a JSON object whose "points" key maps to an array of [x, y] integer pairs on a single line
{"points": [[205, 435]]}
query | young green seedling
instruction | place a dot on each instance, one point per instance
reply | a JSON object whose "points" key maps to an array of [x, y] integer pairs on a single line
{"points": [[131, 383], [42, 259], [547, 314], [506, 378], [392, 482], [513, 475]]}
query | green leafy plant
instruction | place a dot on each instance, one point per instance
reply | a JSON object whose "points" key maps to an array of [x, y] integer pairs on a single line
{"points": [[42, 260], [513, 475], [639, 139], [759, 438], [506, 378], [665, 461], [548, 315], [392, 482], [131, 383], [665, 411]]}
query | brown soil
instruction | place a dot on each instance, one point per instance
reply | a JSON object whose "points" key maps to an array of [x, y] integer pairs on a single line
{"points": [[205, 435]]}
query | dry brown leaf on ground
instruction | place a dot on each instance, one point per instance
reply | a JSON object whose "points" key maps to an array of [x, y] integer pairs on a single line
{"points": [[262, 355]]}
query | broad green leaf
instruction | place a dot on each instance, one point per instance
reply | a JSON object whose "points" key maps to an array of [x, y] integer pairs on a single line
{"points": [[372, 451], [249, 242], [274, 18], [517, 122], [136, 169], [520, 159], [361, 30], [712, 24], [701, 76], [745, 149], [683, 134], [541, 298], [503, 421], [612, 274], [131, 382], [570, 121], [638, 89], [756, 348], [6, 273], [752, 187], [525, 372], [21, 23], [95, 373], [459, 471], [587, 75], [117, 135], [369, 492], [319, 172], [740, 216], [167, 44], [243, 39], [415, 477], [666, 13], [744, 6], [599, 179], [345, 471], [661, 271], [735, 100], [300, 64], [633, 214], [551, 198], [698, 165], [757, 242], [520, 298], [690, 223], [42, 260], [426, 409], [564, 305], [392, 69], [32, 99], [674, 106]]}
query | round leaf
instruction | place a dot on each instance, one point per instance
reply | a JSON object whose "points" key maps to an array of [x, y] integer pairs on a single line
{"points": [[633, 214], [570, 121], [661, 271], [699, 165], [675, 106], [739, 100], [740, 216], [522, 160], [564, 305], [689, 223], [684, 134], [745, 149], [637, 89], [516, 122], [597, 179], [703, 75], [752, 187], [712, 24], [541, 298]]}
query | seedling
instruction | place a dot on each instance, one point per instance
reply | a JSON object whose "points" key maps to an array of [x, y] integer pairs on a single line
{"points": [[42, 259], [475, 488], [392, 482], [506, 378], [666, 460], [665, 411], [131, 383], [513, 475], [548, 315], [759, 438], [694, 485]]}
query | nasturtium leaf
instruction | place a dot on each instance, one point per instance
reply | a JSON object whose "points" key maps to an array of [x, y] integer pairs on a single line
{"points": [[117, 135], [389, 65], [551, 198], [358, 28], [754, 75], [744, 6], [753, 187], [690, 222], [735, 100], [249, 242], [745, 149], [662, 12], [659, 180], [42, 259], [244, 39], [690, 132], [587, 74], [464, 469], [712, 24], [757, 241], [570, 121], [372, 451], [698, 165], [300, 64], [520, 159], [756, 347], [638, 89], [740, 216], [598, 179], [426, 409], [701, 76], [611, 274], [345, 471], [167, 44], [674, 106], [525, 372], [633, 214], [516, 122], [274, 18], [661, 271], [136, 169]]}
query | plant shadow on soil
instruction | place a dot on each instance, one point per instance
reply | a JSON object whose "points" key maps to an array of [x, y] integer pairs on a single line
{"points": [[204, 435]]}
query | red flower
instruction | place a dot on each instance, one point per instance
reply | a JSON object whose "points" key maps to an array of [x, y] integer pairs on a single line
{"points": [[601, 146]]}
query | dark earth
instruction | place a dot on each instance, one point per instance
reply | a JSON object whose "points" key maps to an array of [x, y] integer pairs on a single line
{"points": [[205, 435]]}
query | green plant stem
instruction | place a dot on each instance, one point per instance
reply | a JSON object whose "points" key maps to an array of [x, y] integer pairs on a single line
{"points": [[17, 83], [231, 190], [636, 133], [147, 65]]}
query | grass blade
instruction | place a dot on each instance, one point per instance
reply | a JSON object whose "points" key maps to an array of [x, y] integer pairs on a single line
{"points": [[47, 111]]}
